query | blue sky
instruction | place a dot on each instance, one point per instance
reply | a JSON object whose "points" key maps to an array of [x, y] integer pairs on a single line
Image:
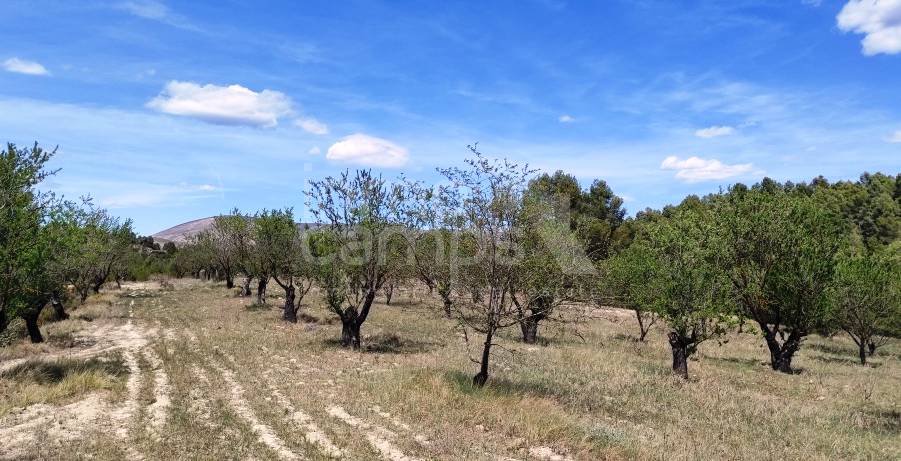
{"points": [[168, 111]]}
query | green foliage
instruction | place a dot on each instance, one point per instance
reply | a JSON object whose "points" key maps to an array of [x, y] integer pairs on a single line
{"points": [[866, 298], [25, 246], [596, 215]]}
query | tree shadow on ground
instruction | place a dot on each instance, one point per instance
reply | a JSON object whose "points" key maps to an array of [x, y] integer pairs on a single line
{"points": [[835, 349], [389, 344], [739, 363], [499, 386]]}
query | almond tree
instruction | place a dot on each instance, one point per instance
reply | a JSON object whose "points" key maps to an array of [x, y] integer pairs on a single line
{"points": [[551, 267], [866, 295], [22, 210], [779, 253], [488, 201], [624, 283], [232, 234], [361, 215], [686, 286], [278, 244]]}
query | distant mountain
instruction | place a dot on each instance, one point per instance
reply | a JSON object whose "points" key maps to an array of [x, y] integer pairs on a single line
{"points": [[181, 233]]}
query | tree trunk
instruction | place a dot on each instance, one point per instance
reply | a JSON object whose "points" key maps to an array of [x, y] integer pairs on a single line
{"points": [[4, 320], [59, 311], [261, 290], [529, 326], [389, 292], [642, 327], [679, 346], [781, 354], [862, 352], [872, 348], [444, 291], [31, 324], [350, 329], [245, 288], [290, 312], [229, 281], [482, 376]]}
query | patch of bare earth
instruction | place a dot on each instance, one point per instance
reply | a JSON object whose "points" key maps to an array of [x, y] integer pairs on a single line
{"points": [[239, 404], [377, 436]]}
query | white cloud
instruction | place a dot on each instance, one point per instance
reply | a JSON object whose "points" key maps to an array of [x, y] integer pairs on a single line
{"points": [[21, 66], [311, 125], [314, 150], [156, 11], [566, 119], [228, 105], [895, 137], [878, 20], [368, 150], [138, 195], [696, 169], [714, 131]]}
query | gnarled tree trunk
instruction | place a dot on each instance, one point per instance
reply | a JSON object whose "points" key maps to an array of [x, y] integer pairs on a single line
{"points": [[482, 376], [681, 350], [350, 328], [445, 292], [31, 323], [781, 355], [389, 292], [290, 310], [245, 287], [261, 290], [529, 327], [59, 311]]}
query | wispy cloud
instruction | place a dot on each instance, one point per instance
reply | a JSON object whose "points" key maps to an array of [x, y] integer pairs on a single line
{"points": [[156, 11], [696, 169], [894, 138], [21, 66], [311, 125], [116, 195], [566, 119], [361, 149], [878, 20], [227, 105], [714, 131]]}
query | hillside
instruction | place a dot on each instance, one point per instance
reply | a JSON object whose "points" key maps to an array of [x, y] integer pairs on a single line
{"points": [[180, 233]]}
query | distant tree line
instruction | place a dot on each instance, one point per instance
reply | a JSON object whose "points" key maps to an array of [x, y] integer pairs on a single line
{"points": [[501, 246]]}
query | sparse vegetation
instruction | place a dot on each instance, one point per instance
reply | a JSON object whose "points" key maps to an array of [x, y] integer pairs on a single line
{"points": [[476, 270]]}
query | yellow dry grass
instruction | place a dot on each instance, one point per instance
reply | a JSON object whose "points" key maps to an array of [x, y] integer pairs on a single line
{"points": [[595, 395]]}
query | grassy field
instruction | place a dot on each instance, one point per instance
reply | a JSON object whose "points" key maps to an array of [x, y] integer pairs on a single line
{"points": [[191, 372]]}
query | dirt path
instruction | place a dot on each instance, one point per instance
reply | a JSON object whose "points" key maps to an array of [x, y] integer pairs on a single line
{"points": [[239, 404], [377, 436]]}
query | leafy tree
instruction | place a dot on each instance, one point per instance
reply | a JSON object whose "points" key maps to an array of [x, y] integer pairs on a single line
{"points": [[866, 295], [22, 211], [870, 205], [596, 215], [232, 234], [96, 246], [779, 250], [549, 268], [361, 214], [488, 198], [625, 280], [278, 244], [686, 286]]}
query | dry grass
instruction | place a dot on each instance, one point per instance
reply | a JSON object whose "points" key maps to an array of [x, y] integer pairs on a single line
{"points": [[239, 384]]}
